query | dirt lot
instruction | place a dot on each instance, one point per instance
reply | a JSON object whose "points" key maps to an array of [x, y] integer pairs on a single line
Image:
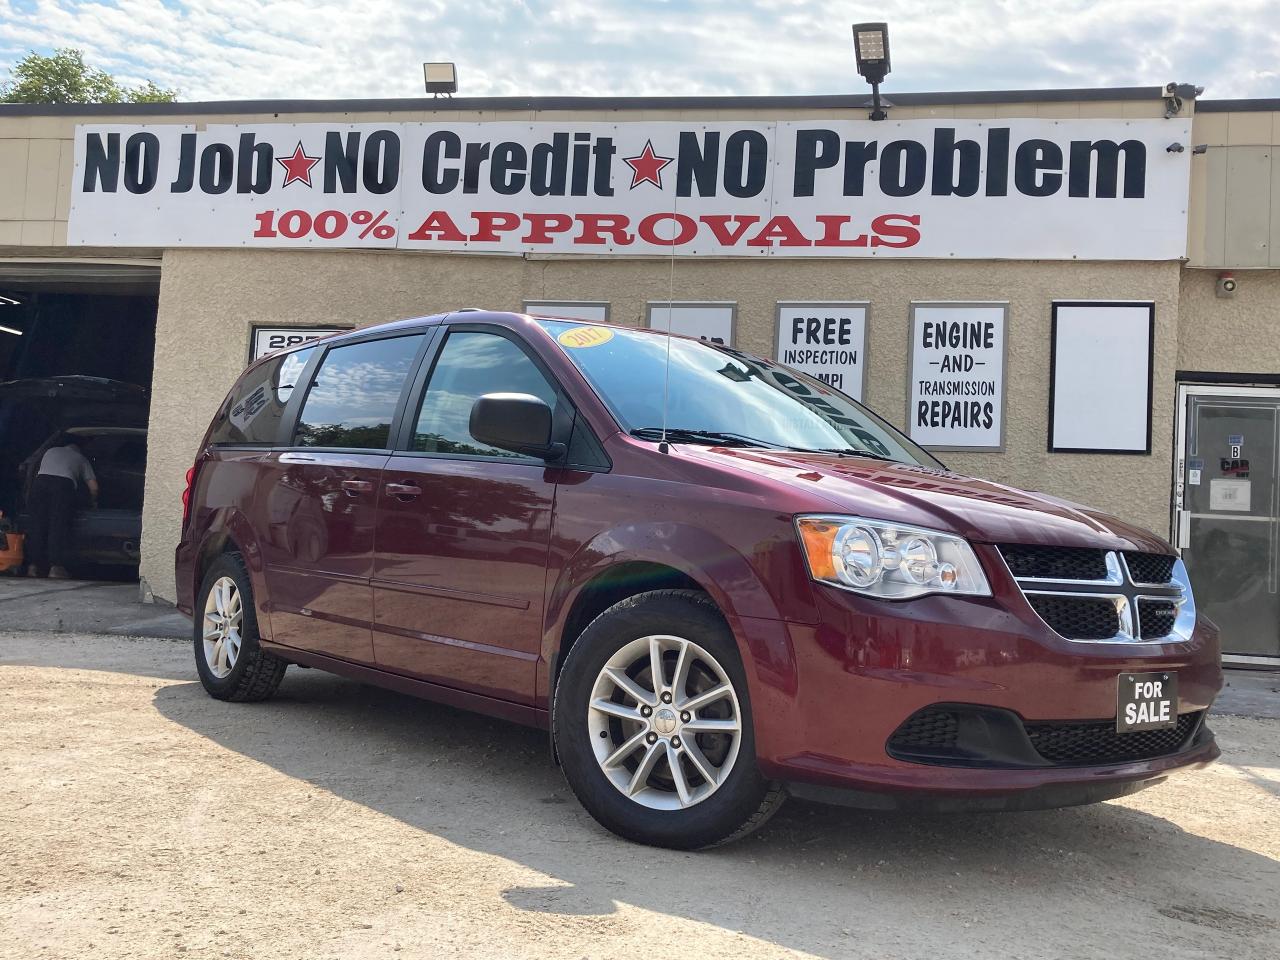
{"points": [[140, 819]]}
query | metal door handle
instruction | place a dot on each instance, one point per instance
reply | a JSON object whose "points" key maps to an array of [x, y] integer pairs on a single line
{"points": [[354, 488], [405, 491]]}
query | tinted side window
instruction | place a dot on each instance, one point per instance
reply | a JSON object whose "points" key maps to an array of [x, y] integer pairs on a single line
{"points": [[353, 397], [252, 416], [471, 365]]}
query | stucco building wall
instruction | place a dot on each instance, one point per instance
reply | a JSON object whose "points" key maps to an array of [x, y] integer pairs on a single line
{"points": [[1239, 334], [209, 299]]}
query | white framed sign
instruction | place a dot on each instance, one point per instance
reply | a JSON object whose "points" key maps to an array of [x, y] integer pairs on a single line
{"points": [[270, 339], [1100, 376], [716, 321], [825, 340], [1017, 189], [596, 311], [956, 386]]}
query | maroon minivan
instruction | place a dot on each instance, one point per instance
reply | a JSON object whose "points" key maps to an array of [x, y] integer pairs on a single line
{"points": [[715, 580]]}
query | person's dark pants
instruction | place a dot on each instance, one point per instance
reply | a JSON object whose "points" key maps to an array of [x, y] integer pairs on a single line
{"points": [[52, 509]]}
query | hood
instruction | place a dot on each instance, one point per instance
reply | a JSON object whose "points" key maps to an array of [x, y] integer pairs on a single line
{"points": [[977, 510]]}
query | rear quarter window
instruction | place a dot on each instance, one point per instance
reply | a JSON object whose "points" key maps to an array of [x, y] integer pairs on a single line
{"points": [[251, 415], [353, 398]]}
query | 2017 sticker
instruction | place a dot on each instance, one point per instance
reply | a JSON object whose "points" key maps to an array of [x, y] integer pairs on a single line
{"points": [[580, 338]]}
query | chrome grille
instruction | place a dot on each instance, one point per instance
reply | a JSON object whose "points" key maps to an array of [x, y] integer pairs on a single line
{"points": [[1079, 618], [1149, 567], [1054, 563], [1156, 618], [1104, 596]]}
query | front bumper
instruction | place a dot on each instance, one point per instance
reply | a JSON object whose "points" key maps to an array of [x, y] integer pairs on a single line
{"points": [[828, 697], [1064, 788]]}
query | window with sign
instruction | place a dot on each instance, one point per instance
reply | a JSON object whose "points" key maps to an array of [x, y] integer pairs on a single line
{"points": [[353, 398], [472, 364], [251, 415]]}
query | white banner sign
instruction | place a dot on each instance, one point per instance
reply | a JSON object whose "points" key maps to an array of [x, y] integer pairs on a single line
{"points": [[1012, 189], [1100, 383], [825, 340], [956, 392], [706, 321], [597, 311]]}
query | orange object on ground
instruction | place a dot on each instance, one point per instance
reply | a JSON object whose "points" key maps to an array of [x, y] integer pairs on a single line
{"points": [[11, 557]]}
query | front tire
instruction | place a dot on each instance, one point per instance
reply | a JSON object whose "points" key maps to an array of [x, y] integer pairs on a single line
{"points": [[653, 725], [229, 659]]}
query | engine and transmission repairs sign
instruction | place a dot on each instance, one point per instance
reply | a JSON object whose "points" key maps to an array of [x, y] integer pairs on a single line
{"points": [[956, 393], [1013, 189]]}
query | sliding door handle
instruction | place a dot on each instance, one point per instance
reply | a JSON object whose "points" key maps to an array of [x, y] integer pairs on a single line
{"points": [[353, 488], [403, 491]]}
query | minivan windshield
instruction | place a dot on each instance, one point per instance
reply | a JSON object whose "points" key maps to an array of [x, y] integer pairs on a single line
{"points": [[723, 397]]}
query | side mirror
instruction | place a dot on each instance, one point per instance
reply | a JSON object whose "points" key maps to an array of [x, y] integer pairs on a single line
{"points": [[517, 422]]}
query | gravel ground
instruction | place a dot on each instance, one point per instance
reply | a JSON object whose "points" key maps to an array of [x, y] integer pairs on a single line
{"points": [[141, 819]]}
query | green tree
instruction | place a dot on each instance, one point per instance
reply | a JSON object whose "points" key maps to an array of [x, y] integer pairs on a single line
{"points": [[66, 78]]}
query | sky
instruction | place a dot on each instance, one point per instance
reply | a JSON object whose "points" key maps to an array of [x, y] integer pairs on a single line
{"points": [[307, 49]]}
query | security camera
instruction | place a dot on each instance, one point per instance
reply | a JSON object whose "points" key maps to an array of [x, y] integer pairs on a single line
{"points": [[1174, 147], [1226, 285], [1171, 89]]}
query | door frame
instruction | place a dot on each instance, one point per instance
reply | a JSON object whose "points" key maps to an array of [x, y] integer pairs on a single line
{"points": [[1178, 527]]}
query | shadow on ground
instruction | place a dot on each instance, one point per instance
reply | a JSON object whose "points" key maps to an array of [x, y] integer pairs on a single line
{"points": [[1105, 880], [490, 786]]}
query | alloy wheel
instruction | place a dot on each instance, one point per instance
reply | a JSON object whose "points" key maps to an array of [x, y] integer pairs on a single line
{"points": [[664, 722], [223, 623]]}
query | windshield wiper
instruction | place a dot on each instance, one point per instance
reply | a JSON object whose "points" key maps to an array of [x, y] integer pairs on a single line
{"points": [[846, 452], [711, 437], [722, 438]]}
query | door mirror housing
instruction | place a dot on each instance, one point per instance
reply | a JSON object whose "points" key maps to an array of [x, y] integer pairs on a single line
{"points": [[518, 422]]}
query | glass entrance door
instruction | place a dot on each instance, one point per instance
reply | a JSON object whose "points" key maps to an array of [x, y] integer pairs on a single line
{"points": [[1227, 512]]}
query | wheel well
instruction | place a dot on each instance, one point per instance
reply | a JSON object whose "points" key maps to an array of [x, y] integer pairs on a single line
{"points": [[615, 584], [213, 548]]}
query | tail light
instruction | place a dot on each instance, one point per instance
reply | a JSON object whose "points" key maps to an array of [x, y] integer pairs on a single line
{"points": [[186, 496]]}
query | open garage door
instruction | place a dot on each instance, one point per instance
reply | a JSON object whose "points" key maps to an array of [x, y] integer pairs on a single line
{"points": [[77, 344]]}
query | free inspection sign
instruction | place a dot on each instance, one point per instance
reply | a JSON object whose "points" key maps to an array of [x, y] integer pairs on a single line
{"points": [[827, 341], [1011, 189]]}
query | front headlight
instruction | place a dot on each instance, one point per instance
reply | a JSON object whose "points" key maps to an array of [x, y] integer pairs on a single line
{"points": [[889, 560]]}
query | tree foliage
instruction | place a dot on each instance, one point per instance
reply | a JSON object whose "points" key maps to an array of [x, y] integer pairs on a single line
{"points": [[64, 77]]}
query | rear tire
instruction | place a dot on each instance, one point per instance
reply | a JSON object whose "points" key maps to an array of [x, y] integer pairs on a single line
{"points": [[229, 659], [671, 762]]}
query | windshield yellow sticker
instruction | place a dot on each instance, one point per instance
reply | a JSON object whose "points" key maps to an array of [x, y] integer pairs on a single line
{"points": [[581, 337]]}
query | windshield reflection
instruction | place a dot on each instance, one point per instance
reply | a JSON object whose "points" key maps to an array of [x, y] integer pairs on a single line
{"points": [[731, 397]]}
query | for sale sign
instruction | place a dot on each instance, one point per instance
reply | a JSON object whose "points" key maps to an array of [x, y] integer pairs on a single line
{"points": [[1018, 189], [956, 392], [827, 341]]}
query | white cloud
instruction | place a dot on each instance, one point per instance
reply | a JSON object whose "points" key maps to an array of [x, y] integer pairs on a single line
{"points": [[242, 49]]}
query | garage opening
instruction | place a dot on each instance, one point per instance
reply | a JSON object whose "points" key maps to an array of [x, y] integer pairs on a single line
{"points": [[77, 344]]}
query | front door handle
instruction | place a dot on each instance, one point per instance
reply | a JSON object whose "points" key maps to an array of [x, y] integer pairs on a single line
{"points": [[353, 488], [403, 491]]}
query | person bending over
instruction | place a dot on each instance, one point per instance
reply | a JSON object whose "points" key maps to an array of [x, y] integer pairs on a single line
{"points": [[63, 470]]}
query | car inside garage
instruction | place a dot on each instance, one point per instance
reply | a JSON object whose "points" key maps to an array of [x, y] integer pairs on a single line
{"points": [[77, 343]]}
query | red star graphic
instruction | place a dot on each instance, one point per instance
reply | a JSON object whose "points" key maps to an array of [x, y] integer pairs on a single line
{"points": [[297, 167], [647, 168]]}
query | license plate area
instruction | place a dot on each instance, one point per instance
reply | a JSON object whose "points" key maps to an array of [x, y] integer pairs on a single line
{"points": [[1146, 701]]}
